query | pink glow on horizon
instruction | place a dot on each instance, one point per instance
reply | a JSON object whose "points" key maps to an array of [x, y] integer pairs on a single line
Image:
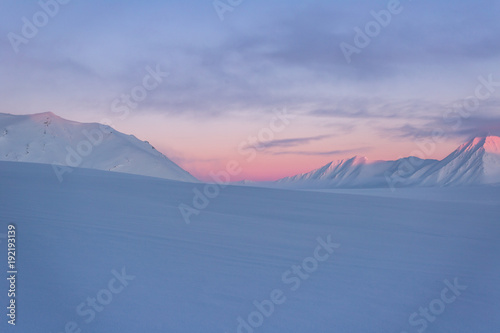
{"points": [[201, 148], [272, 167]]}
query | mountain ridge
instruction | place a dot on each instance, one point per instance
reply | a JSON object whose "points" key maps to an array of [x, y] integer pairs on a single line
{"points": [[50, 139], [474, 162]]}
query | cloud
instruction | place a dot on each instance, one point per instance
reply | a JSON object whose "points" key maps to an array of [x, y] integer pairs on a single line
{"points": [[260, 58], [478, 126], [459, 128], [379, 108], [270, 147], [321, 153], [291, 142]]}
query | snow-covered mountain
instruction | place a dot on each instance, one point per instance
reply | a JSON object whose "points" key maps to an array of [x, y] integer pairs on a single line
{"points": [[49, 139], [475, 162], [357, 172]]}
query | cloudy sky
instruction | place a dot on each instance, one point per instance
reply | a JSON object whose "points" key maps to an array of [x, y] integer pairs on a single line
{"points": [[200, 79]]}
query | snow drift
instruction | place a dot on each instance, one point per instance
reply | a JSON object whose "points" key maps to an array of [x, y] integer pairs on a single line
{"points": [[110, 252]]}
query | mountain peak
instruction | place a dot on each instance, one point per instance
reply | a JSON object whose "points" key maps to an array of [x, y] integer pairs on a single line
{"points": [[356, 160], [45, 117], [490, 144]]}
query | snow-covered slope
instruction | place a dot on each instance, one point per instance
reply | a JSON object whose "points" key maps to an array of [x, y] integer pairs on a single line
{"points": [[473, 163], [357, 172], [247, 246], [47, 138]]}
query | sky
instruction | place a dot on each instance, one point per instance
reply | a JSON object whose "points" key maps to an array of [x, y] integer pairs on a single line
{"points": [[298, 83]]}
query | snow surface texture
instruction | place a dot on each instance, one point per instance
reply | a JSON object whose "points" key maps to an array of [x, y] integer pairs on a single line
{"points": [[47, 138], [393, 259], [473, 163]]}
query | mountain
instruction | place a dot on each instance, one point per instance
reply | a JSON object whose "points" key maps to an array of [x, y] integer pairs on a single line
{"points": [[475, 162], [359, 172], [49, 139]]}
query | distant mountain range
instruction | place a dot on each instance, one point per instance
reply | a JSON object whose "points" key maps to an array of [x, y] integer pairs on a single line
{"points": [[50, 139], [475, 162]]}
